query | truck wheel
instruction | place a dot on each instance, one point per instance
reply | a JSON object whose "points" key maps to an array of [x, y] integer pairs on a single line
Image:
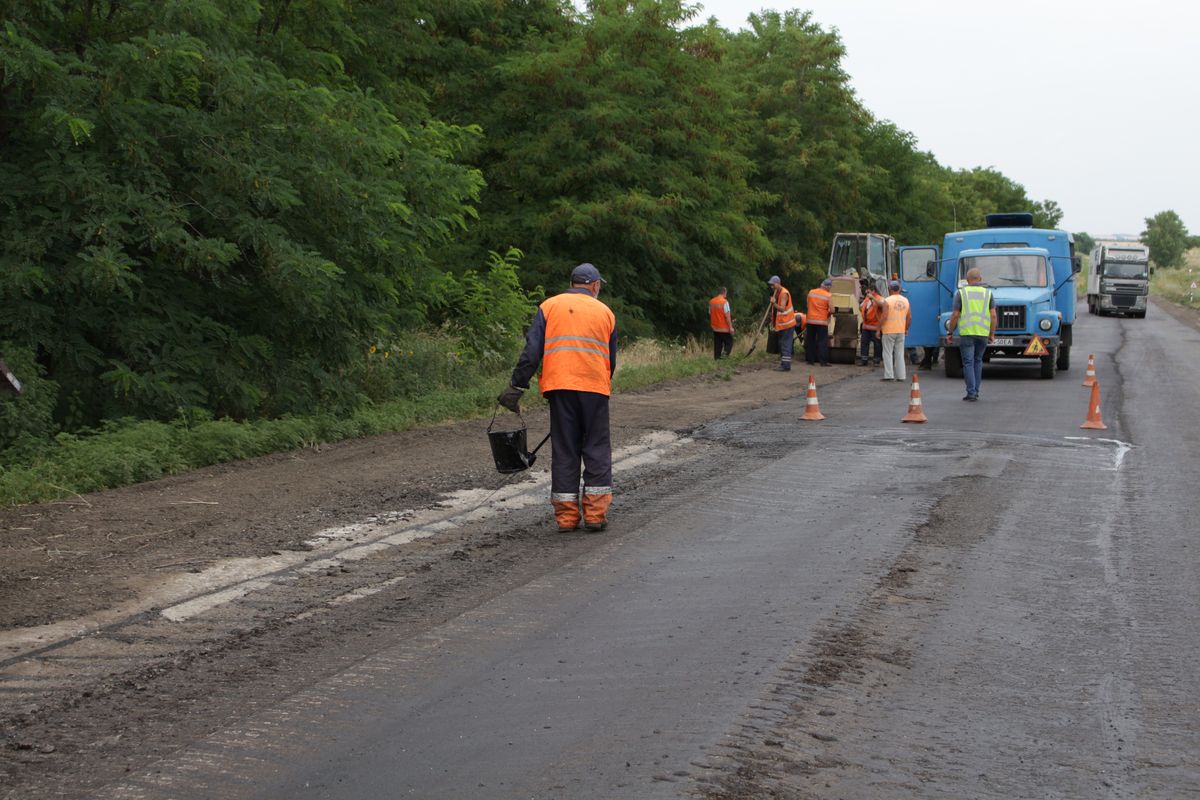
{"points": [[1091, 306], [1140, 315], [1049, 363], [953, 362], [1064, 357]]}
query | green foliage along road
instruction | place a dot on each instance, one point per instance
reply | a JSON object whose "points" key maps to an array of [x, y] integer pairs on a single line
{"points": [[221, 208]]}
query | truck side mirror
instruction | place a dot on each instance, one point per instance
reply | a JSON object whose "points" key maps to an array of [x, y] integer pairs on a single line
{"points": [[1076, 264], [930, 269]]}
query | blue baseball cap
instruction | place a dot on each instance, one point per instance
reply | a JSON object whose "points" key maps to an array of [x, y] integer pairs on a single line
{"points": [[586, 273], [774, 280], [827, 282]]}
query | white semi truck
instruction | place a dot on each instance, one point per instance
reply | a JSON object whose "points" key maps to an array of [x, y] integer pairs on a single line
{"points": [[1119, 279]]}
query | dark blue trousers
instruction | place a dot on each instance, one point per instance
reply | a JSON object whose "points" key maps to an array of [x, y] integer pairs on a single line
{"points": [[579, 436], [816, 344]]}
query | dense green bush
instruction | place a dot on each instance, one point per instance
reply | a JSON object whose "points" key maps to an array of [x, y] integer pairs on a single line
{"points": [[26, 418]]}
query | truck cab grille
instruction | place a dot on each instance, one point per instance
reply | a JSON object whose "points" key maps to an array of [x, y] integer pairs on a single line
{"points": [[1010, 318]]}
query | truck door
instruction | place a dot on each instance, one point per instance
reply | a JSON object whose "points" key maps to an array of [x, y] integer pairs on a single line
{"points": [[918, 278]]}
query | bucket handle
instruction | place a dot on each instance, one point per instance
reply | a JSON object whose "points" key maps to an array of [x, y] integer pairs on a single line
{"points": [[496, 411], [523, 427]]}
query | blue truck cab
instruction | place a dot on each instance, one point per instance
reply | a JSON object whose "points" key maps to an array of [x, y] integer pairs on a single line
{"points": [[1031, 272]]}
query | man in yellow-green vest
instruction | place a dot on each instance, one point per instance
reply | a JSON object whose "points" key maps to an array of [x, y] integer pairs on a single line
{"points": [[973, 320]]}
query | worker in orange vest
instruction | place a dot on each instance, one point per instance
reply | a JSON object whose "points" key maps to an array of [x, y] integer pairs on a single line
{"points": [[816, 340], [721, 322], [869, 337], [574, 339], [895, 319], [783, 321]]}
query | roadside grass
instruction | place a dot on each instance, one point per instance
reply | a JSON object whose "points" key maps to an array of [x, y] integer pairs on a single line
{"points": [[129, 451], [1081, 280], [1175, 284]]}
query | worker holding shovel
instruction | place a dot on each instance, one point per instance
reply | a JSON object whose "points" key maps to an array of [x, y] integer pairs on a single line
{"points": [[574, 339]]}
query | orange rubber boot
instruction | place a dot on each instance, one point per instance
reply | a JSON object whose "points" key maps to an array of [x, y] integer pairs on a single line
{"points": [[595, 510], [566, 511]]}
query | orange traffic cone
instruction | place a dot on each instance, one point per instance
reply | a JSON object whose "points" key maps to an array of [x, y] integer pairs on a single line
{"points": [[915, 412], [1093, 420], [812, 411], [1089, 377]]}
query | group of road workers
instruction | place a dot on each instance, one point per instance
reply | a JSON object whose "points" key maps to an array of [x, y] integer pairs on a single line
{"points": [[573, 338], [885, 322]]}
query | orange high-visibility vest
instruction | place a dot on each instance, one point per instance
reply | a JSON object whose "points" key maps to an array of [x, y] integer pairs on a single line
{"points": [[785, 315], [718, 315], [870, 314], [897, 314], [818, 307], [576, 354]]}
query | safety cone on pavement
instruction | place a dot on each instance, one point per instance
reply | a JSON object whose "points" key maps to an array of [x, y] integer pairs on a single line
{"points": [[915, 411], [812, 411], [1089, 377], [1093, 420]]}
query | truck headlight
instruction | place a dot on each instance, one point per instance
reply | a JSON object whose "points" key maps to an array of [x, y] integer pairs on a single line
{"points": [[1045, 324]]}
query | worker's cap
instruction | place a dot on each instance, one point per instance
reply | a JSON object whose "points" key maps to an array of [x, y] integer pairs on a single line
{"points": [[586, 273], [827, 282], [774, 280], [894, 285]]}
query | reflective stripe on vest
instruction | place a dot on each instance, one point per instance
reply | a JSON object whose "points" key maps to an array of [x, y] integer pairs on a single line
{"points": [[897, 314], [974, 317], [785, 314], [576, 354], [818, 307], [718, 315]]}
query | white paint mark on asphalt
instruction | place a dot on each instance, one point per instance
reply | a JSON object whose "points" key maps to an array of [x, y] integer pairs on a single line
{"points": [[1122, 448], [184, 596]]}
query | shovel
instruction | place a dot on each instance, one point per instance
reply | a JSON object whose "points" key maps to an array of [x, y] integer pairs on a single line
{"points": [[758, 332]]}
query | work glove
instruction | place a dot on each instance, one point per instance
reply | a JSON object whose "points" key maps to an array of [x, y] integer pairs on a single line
{"points": [[510, 398]]}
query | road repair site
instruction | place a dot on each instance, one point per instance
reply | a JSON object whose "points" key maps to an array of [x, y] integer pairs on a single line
{"points": [[994, 603]]}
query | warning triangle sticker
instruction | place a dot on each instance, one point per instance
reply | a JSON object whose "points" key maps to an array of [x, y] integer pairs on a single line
{"points": [[1036, 347]]}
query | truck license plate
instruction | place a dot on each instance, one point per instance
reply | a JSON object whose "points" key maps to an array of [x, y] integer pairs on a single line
{"points": [[1003, 341]]}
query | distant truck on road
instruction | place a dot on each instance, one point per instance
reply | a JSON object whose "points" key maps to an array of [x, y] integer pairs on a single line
{"points": [[1119, 280], [1031, 273]]}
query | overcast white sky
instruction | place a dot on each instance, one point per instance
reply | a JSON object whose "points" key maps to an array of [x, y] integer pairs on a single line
{"points": [[1093, 104]]}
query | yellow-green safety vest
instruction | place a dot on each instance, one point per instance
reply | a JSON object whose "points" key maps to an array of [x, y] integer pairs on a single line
{"points": [[974, 317]]}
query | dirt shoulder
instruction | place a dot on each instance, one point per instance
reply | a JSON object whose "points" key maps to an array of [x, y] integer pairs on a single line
{"points": [[1188, 316], [70, 558]]}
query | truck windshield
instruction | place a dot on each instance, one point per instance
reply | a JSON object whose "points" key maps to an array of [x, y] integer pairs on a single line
{"points": [[1124, 269], [1007, 269]]}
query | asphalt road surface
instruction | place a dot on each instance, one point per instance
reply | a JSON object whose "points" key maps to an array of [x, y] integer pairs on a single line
{"points": [[994, 604]]}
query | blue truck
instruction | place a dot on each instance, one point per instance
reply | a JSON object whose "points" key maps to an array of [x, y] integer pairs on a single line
{"points": [[1032, 274]]}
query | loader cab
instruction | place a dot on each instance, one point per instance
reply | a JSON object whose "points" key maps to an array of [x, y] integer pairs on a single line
{"points": [[868, 257]]}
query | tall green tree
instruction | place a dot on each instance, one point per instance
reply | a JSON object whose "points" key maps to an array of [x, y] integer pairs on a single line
{"points": [[619, 147], [1167, 238], [805, 137], [203, 209]]}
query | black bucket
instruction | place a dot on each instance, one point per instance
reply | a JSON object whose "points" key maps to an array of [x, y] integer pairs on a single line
{"points": [[773, 342], [510, 449]]}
